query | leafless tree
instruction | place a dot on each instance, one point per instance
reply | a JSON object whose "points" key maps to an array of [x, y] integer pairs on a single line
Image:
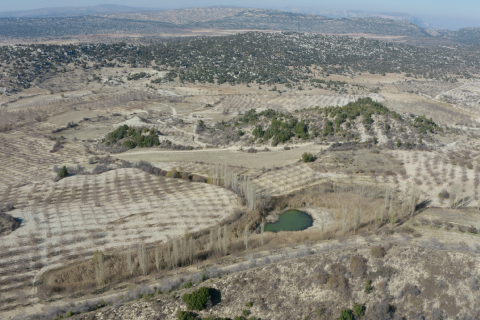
{"points": [[219, 239], [142, 258], [356, 219], [344, 220], [130, 260], [211, 241], [175, 253], [245, 235], [99, 259], [157, 258], [262, 228], [191, 250]]}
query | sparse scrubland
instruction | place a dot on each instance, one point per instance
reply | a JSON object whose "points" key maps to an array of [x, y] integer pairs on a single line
{"points": [[135, 186]]}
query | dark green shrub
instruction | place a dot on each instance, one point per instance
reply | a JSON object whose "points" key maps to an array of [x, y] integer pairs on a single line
{"points": [[129, 144], [249, 304], [245, 312], [359, 309], [185, 315], [368, 286], [308, 157], [147, 297], [63, 172], [346, 314], [189, 284], [197, 300], [444, 194]]}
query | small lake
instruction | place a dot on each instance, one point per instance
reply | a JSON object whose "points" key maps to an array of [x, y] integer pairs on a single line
{"points": [[291, 220]]}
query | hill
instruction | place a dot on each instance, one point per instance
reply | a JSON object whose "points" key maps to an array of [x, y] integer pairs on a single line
{"points": [[470, 36], [179, 16], [73, 26], [363, 14], [150, 23], [70, 11], [287, 21]]}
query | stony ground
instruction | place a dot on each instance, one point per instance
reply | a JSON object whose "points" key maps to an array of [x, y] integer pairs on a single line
{"points": [[425, 281]]}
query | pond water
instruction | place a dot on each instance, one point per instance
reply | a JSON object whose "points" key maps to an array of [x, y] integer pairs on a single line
{"points": [[291, 220]]}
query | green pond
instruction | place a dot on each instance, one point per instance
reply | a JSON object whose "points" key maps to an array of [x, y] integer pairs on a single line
{"points": [[291, 220]]}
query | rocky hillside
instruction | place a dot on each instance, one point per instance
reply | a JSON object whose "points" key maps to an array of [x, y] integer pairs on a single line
{"points": [[370, 281], [363, 120]]}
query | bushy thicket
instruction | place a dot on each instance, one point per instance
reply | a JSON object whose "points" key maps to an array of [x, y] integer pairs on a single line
{"points": [[329, 123], [133, 137], [425, 125], [308, 157], [197, 300]]}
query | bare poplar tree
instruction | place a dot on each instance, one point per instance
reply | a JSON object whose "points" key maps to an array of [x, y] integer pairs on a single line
{"points": [[191, 251], [184, 251], [413, 201], [169, 259], [392, 213], [175, 253], [376, 219], [219, 239], [262, 228], [245, 234], [387, 197], [211, 241], [356, 219], [344, 220], [99, 260], [453, 196], [157, 258], [130, 260], [225, 240], [142, 258]]}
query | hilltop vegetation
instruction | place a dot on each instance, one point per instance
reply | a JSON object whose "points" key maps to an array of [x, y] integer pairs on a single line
{"points": [[363, 119], [284, 58]]}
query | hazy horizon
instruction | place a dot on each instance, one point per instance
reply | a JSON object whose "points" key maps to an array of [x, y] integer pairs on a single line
{"points": [[446, 14]]}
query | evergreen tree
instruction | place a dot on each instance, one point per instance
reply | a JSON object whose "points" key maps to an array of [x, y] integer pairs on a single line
{"points": [[63, 172]]}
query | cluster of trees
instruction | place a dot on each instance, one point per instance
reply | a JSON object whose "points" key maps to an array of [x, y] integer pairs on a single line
{"points": [[132, 137], [330, 123], [365, 107], [425, 125], [139, 75]]}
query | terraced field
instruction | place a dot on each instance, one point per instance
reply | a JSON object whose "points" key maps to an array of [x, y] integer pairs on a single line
{"points": [[73, 218]]}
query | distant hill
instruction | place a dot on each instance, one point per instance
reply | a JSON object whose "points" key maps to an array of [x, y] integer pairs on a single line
{"points": [[469, 36], [71, 11], [75, 26], [288, 21], [179, 16], [113, 19], [362, 14]]}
